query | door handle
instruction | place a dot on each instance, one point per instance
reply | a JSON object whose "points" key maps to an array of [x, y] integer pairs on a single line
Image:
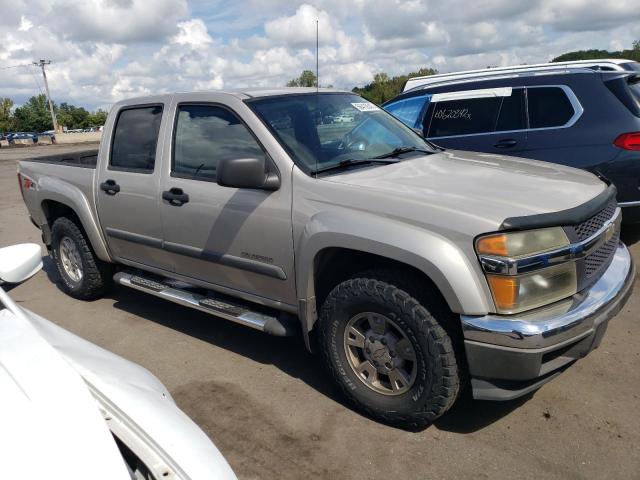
{"points": [[175, 197], [506, 143], [110, 187]]}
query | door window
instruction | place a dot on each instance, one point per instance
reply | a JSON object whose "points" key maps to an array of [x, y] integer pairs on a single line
{"points": [[512, 112], [464, 117], [135, 138], [548, 107], [204, 135]]}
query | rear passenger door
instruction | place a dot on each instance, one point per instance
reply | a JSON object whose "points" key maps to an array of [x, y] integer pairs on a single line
{"points": [[553, 110], [486, 120], [128, 183]]}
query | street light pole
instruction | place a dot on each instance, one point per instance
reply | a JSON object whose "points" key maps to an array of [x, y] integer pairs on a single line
{"points": [[41, 64]]}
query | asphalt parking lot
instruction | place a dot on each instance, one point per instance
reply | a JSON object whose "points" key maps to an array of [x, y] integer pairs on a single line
{"points": [[271, 409]]}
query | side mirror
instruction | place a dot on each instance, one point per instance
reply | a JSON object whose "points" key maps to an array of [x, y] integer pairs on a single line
{"points": [[245, 173], [19, 262]]}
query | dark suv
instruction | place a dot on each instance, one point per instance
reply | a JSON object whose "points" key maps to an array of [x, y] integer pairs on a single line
{"points": [[578, 117]]}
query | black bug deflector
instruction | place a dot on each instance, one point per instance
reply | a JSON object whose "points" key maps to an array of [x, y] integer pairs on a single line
{"points": [[571, 216]]}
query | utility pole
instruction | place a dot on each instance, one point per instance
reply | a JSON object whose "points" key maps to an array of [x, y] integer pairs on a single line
{"points": [[41, 64], [317, 55]]}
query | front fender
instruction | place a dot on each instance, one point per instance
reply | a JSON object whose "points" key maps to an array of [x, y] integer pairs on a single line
{"points": [[445, 263], [51, 188]]}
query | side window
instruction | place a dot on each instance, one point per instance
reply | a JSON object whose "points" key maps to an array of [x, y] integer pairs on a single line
{"points": [[548, 107], [463, 117], [408, 110], [512, 112], [204, 135], [135, 138]]}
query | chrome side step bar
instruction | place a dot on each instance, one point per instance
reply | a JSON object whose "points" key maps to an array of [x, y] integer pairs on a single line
{"points": [[236, 312]]}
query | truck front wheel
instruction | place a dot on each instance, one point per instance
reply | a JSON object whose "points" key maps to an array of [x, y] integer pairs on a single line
{"points": [[387, 352], [83, 275]]}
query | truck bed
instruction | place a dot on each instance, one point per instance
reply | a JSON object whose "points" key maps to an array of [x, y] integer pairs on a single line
{"points": [[82, 158], [66, 178]]}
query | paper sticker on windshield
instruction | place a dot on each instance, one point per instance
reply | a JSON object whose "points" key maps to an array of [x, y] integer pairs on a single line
{"points": [[365, 106]]}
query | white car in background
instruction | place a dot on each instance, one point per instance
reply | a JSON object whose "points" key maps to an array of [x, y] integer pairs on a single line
{"points": [[70, 409]]}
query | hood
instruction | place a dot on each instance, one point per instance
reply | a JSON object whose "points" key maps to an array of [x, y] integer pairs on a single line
{"points": [[476, 188], [51, 426], [141, 403]]}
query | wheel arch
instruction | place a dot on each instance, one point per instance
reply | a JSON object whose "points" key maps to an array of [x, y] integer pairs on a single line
{"points": [[63, 200], [437, 261]]}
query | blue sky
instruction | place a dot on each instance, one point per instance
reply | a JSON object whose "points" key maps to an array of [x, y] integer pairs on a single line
{"points": [[106, 50]]}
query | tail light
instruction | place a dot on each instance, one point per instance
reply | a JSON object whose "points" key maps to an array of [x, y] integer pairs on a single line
{"points": [[25, 183], [628, 141]]}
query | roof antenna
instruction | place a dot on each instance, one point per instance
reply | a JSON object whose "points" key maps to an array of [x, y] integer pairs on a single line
{"points": [[317, 53]]}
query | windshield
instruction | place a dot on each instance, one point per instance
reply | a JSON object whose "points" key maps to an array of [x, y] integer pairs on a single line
{"points": [[327, 129]]}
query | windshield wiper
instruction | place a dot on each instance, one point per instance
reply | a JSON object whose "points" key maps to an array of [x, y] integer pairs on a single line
{"points": [[400, 150], [351, 161]]}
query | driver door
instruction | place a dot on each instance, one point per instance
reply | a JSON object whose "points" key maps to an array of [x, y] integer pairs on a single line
{"points": [[232, 238]]}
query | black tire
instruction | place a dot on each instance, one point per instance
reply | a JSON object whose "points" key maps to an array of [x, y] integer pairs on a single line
{"points": [[97, 276], [438, 379]]}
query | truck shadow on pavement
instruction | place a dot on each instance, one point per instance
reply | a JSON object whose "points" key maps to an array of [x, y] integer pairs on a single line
{"points": [[289, 355], [286, 353]]}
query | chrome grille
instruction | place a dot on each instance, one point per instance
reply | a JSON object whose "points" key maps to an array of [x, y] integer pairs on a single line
{"points": [[601, 257], [590, 226]]}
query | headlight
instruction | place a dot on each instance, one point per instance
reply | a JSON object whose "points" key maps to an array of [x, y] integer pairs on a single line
{"points": [[513, 291], [517, 244], [513, 294]]}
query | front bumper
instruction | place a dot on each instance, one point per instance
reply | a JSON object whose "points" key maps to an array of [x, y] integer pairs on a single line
{"points": [[510, 356]]}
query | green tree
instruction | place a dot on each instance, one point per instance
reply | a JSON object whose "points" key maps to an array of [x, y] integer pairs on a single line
{"points": [[71, 116], [306, 79], [384, 88], [593, 54], [7, 122], [34, 115], [97, 118]]}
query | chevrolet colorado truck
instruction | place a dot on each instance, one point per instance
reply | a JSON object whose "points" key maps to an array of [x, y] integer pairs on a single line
{"points": [[415, 271]]}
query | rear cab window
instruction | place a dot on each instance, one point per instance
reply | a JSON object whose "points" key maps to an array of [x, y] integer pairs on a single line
{"points": [[135, 139]]}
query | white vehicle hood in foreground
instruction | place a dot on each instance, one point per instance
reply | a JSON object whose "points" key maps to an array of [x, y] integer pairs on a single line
{"points": [[65, 395], [50, 425]]}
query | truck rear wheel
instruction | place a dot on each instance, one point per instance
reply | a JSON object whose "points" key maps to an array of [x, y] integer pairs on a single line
{"points": [[83, 275], [387, 352]]}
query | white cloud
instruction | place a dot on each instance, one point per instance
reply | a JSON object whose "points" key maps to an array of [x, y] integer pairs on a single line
{"points": [[615, 45], [25, 24], [192, 32], [105, 50], [299, 29], [118, 21]]}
